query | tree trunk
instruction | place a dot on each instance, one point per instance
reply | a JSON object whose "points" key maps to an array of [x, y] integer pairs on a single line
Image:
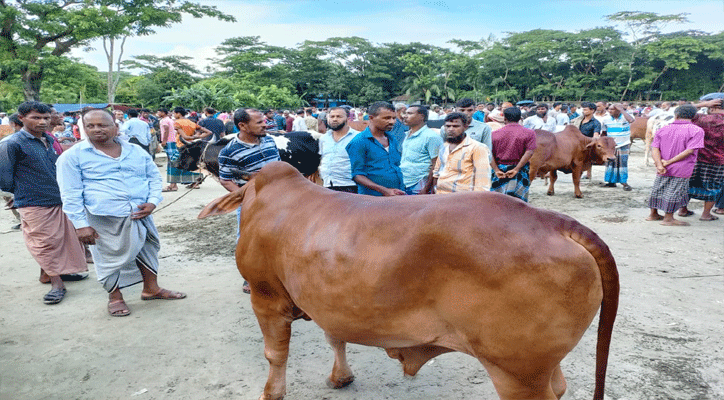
{"points": [[31, 84]]}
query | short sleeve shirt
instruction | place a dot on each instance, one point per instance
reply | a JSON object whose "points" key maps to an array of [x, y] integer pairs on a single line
{"points": [[675, 138]]}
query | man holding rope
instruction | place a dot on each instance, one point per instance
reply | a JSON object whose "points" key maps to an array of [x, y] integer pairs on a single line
{"points": [[109, 189]]}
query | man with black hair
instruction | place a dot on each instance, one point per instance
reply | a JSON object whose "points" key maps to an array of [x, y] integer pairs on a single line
{"points": [[476, 130], [334, 167], [136, 131], [463, 164], [541, 119], [27, 169], [419, 150], [213, 124], [247, 153], [513, 146], [374, 155]]}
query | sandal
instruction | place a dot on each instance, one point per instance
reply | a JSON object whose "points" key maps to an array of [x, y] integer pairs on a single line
{"points": [[246, 288], [168, 189], [55, 296], [118, 308], [713, 218], [688, 213], [719, 211]]}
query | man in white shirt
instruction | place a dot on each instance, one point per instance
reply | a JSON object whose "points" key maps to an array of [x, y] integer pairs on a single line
{"points": [[540, 120], [335, 168], [137, 131], [299, 125]]}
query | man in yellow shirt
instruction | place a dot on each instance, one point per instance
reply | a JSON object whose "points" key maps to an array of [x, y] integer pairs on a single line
{"points": [[463, 164]]}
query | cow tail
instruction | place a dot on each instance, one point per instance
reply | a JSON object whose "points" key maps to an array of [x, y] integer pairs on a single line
{"points": [[609, 305]]}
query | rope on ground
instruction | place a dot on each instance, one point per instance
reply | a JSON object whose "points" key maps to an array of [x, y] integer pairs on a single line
{"points": [[180, 197], [697, 276]]}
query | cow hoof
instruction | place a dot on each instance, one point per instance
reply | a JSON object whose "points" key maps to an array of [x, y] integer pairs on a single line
{"points": [[340, 383], [550, 193], [265, 397]]}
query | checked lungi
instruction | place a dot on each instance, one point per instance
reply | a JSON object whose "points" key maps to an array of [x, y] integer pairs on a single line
{"points": [[176, 175], [669, 193], [617, 170], [706, 182], [518, 186], [123, 245]]}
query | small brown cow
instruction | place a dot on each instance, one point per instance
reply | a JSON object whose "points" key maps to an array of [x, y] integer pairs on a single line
{"points": [[568, 151], [480, 273]]}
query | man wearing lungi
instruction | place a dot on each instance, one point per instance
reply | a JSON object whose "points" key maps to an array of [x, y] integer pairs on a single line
{"points": [[707, 181], [513, 146], [109, 189], [27, 169], [618, 126]]}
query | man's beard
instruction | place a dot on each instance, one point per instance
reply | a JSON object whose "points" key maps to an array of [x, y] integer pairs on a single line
{"points": [[338, 127], [455, 139], [542, 115]]}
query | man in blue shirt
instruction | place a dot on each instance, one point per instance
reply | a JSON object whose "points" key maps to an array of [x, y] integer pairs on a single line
{"points": [[419, 150], [109, 189], [374, 155], [27, 169], [137, 131]]}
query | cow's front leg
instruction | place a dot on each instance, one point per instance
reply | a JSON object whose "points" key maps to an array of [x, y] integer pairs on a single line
{"points": [[341, 373], [276, 327], [577, 172], [554, 177]]}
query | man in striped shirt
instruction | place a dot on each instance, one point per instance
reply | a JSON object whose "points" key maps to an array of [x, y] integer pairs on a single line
{"points": [[617, 126], [250, 150], [463, 164]]}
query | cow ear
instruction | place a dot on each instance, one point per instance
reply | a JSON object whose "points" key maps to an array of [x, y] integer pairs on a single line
{"points": [[224, 204]]}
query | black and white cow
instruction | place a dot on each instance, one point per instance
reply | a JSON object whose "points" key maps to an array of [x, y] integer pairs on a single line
{"points": [[300, 149]]}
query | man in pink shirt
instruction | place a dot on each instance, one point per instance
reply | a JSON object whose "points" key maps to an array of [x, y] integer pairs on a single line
{"points": [[513, 146], [168, 141], [674, 149]]}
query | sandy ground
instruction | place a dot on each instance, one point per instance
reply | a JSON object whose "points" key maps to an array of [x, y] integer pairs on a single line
{"points": [[667, 342]]}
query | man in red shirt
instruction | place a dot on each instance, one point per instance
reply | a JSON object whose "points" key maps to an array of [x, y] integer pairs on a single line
{"points": [[513, 146], [708, 178]]}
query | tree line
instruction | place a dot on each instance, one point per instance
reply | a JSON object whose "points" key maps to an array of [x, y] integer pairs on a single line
{"points": [[629, 60]]}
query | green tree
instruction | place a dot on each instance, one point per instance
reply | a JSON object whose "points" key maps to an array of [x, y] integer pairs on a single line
{"points": [[33, 33]]}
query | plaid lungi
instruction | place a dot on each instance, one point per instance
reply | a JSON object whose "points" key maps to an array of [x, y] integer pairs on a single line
{"points": [[617, 170], [706, 181], [176, 175], [518, 186], [669, 193]]}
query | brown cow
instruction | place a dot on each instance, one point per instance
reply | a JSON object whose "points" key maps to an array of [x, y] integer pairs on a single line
{"points": [[638, 128], [569, 151], [479, 273]]}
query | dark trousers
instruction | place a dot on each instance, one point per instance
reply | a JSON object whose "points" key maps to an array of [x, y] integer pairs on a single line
{"points": [[144, 147]]}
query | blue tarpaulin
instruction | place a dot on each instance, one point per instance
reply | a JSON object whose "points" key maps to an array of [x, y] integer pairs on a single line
{"points": [[61, 108]]}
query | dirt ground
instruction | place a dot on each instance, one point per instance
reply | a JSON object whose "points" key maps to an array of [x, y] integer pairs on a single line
{"points": [[667, 341]]}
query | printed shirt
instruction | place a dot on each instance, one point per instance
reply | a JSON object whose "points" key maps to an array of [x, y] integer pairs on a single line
{"points": [[465, 169], [138, 129], [246, 157], [94, 182], [618, 129], [511, 142], [675, 138], [382, 166], [713, 125], [418, 150], [27, 169], [334, 167]]}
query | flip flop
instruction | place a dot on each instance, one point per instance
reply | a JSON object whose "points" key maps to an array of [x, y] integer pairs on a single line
{"points": [[165, 294], [118, 308], [166, 189], [688, 213], [719, 211], [713, 218], [55, 296]]}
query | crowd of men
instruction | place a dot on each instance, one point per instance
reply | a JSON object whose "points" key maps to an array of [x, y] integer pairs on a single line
{"points": [[91, 180]]}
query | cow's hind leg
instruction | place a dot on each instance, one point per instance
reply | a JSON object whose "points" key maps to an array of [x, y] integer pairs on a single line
{"points": [[514, 387], [277, 329], [341, 373]]}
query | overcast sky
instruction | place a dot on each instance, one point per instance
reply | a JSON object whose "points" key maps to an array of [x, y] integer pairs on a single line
{"points": [[290, 22]]}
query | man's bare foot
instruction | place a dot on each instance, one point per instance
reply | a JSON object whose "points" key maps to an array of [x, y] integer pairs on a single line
{"points": [[675, 222], [163, 294], [656, 217]]}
